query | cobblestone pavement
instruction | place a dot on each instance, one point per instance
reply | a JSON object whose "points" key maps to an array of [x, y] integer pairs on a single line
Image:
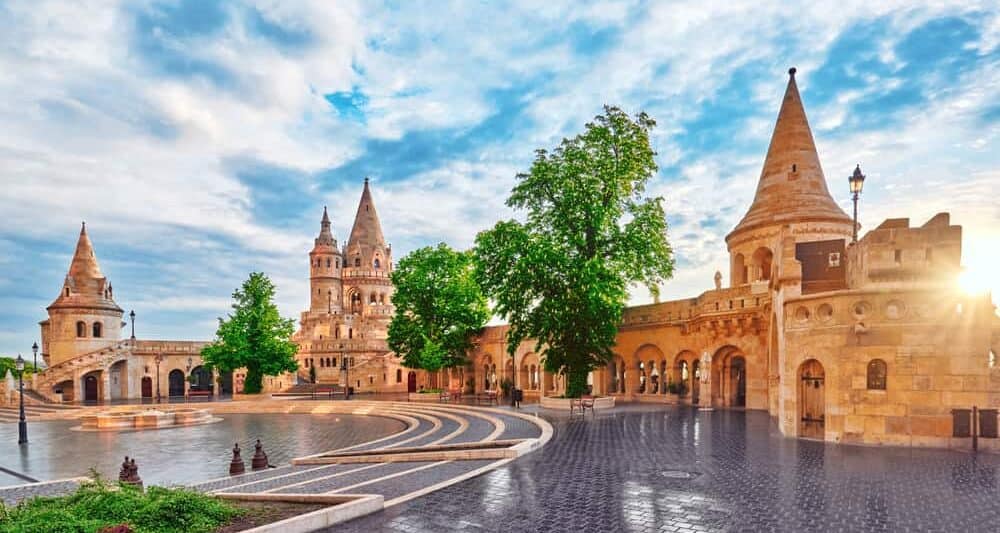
{"points": [[677, 469], [12, 495]]}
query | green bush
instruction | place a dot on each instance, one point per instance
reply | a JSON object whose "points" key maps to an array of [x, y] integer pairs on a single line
{"points": [[98, 505]]}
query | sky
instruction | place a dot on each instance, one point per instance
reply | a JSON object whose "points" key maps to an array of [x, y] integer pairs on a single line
{"points": [[200, 140]]}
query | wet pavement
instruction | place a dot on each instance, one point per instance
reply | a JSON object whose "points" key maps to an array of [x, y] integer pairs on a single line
{"points": [[677, 469], [180, 455]]}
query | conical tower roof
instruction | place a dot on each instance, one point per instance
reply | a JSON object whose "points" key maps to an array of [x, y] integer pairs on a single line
{"points": [[367, 230], [325, 238], [792, 187], [84, 264]]}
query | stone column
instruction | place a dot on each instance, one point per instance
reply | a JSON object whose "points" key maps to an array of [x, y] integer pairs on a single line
{"points": [[105, 392], [215, 383]]}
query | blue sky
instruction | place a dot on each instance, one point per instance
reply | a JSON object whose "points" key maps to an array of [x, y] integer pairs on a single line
{"points": [[200, 140]]}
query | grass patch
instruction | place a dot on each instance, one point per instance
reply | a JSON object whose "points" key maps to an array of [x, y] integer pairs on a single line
{"points": [[98, 505]]}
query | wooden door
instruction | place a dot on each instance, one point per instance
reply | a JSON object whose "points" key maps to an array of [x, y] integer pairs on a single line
{"points": [[411, 382], [90, 389], [147, 387], [812, 404]]}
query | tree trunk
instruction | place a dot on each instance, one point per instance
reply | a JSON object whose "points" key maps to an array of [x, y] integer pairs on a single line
{"points": [[254, 382], [576, 382]]}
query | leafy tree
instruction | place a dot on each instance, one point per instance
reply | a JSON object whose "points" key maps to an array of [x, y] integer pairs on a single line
{"points": [[254, 336], [438, 308], [10, 364], [562, 276]]}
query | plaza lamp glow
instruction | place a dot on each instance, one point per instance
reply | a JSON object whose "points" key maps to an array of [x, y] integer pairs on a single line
{"points": [[857, 182]]}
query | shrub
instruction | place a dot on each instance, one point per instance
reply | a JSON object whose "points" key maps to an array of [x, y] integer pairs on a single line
{"points": [[96, 506]]}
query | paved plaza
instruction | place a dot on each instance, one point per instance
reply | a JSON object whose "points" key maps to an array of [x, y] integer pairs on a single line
{"points": [[678, 469]]}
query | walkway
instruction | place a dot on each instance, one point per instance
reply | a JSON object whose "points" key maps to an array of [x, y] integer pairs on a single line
{"points": [[656, 468]]}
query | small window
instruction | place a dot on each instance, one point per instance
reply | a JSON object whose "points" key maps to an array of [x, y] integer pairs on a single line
{"points": [[98, 329], [399, 375], [898, 256], [334, 361], [81, 329], [350, 333], [377, 263], [372, 298], [67, 291], [833, 260], [328, 262], [794, 168], [322, 362], [876, 374], [336, 263]]}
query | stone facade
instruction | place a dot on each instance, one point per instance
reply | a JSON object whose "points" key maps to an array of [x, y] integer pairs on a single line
{"points": [[867, 342], [350, 308]]}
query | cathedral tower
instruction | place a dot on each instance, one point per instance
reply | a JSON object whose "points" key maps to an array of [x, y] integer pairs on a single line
{"points": [[367, 287], [325, 264], [84, 317], [791, 199]]}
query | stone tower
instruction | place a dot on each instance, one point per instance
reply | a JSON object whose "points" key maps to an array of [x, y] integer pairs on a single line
{"points": [[84, 317], [792, 198], [325, 264], [367, 287]]}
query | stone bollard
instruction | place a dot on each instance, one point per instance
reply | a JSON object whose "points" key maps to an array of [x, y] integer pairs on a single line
{"points": [[129, 474], [236, 465], [259, 461], [123, 474]]}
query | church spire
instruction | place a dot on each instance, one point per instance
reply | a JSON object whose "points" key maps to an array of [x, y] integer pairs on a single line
{"points": [[84, 264], [367, 231], [792, 187], [325, 237]]}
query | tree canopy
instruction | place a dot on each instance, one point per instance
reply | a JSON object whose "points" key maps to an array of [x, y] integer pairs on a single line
{"points": [[254, 336], [439, 306], [562, 276]]}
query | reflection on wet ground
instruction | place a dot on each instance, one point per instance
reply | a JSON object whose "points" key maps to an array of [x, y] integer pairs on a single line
{"points": [[644, 468], [180, 455]]}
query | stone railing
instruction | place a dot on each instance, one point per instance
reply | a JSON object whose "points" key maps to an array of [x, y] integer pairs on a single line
{"points": [[721, 301]]}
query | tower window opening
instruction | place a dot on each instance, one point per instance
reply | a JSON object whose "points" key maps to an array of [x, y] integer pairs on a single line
{"points": [[794, 168], [377, 263], [81, 329], [328, 263], [67, 291], [350, 333], [357, 261], [98, 327]]}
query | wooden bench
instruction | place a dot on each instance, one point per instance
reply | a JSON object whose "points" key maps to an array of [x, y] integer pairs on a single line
{"points": [[450, 395], [489, 397], [199, 393], [582, 403]]}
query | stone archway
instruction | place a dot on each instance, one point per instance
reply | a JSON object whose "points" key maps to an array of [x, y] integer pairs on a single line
{"points": [[92, 386], [684, 375], [729, 377], [812, 400], [118, 380], [646, 358], [175, 383], [201, 379]]}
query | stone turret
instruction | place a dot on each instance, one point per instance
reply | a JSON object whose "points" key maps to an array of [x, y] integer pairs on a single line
{"points": [[84, 317], [792, 197], [325, 266], [367, 288]]}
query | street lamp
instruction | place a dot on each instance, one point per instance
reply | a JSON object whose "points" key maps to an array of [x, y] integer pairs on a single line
{"points": [[131, 315], [22, 424], [158, 358], [347, 381], [34, 350], [857, 181]]}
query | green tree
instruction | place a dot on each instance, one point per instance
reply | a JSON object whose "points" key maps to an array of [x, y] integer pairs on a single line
{"points": [[562, 276], [439, 307], [10, 364], [254, 336]]}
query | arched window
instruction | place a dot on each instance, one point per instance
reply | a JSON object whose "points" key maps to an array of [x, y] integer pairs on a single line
{"points": [[876, 374], [327, 262], [377, 263], [350, 333], [322, 363], [357, 261], [381, 298], [336, 263], [98, 327], [334, 361], [81, 329], [67, 291], [399, 375], [373, 298], [336, 332]]}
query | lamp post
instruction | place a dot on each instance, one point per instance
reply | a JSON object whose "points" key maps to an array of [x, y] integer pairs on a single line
{"points": [[34, 350], [131, 315], [345, 369], [857, 181], [158, 358], [22, 424]]}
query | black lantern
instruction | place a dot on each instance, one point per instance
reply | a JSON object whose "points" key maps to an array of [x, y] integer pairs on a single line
{"points": [[857, 182]]}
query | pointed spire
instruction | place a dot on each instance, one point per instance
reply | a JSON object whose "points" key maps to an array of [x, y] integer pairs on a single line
{"points": [[792, 187], [325, 237], [367, 230], [84, 264]]}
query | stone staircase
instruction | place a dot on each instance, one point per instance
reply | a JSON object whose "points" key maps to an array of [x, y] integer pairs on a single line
{"points": [[44, 381], [10, 414]]}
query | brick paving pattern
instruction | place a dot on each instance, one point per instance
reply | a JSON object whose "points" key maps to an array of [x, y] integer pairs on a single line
{"points": [[649, 469]]}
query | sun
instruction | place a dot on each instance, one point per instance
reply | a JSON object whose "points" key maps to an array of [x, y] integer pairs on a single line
{"points": [[981, 270]]}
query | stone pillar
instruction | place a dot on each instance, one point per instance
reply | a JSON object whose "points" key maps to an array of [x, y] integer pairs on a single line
{"points": [[105, 391], [215, 383]]}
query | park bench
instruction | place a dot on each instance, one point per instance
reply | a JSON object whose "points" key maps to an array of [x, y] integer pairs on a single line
{"points": [[489, 396], [450, 395], [582, 403], [196, 393]]}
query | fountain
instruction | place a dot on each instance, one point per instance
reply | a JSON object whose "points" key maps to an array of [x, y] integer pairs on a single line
{"points": [[145, 419]]}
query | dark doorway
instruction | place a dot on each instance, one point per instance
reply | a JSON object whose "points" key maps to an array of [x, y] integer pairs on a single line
{"points": [[411, 382], [201, 379], [176, 381], [147, 387], [90, 389], [738, 381], [226, 383]]}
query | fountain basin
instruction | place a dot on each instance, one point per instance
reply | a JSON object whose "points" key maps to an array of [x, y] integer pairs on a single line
{"points": [[145, 419]]}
